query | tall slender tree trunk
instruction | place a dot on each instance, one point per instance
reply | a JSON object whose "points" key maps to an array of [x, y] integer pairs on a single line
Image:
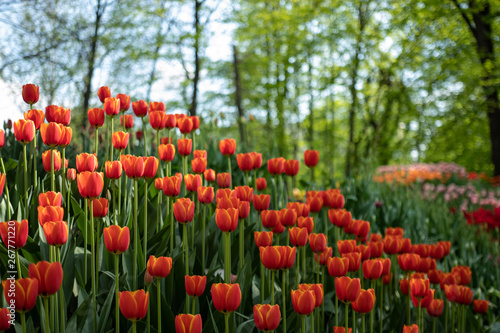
{"points": [[311, 106], [196, 78], [237, 97]]}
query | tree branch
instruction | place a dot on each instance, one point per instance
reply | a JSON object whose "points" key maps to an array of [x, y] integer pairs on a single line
{"points": [[465, 17]]}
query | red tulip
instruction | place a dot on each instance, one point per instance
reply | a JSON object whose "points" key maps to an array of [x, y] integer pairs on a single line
{"points": [[157, 106], [5, 319], [354, 260], [30, 93], [14, 234], [86, 162], [116, 239], [184, 210], [120, 140], [261, 202], [288, 217], [306, 222], [318, 292], [199, 165], [392, 245], [261, 184], [172, 186], [302, 209], [48, 275], [140, 108], [372, 269], [37, 116], [245, 162], [205, 194], [263, 238], [226, 297], [2, 138], [103, 93], [227, 219], [337, 267], [424, 302], [224, 179], [227, 147], [150, 167], [195, 285], [47, 162], [365, 301], [134, 304], [209, 175], [192, 182], [66, 136], [90, 184], [275, 166], [185, 125], [124, 101], [436, 251], [303, 301], [338, 329], [311, 158], [315, 202], [50, 199], [166, 152], [56, 233], [113, 169], [24, 130], [58, 114], [419, 287], [188, 323], [111, 106], [376, 249], [196, 122], [410, 329], [298, 236], [347, 289], [23, 299], [100, 207], [270, 218], [184, 146], [403, 285], [257, 160], [225, 193], [464, 272], [480, 306], [333, 199], [317, 242], [435, 308], [50, 213], [133, 166], [409, 262], [267, 318], [322, 258], [291, 167], [157, 119], [159, 267], [243, 210]]}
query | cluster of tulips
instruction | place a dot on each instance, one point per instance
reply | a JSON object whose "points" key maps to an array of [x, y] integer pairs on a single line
{"points": [[362, 260]]}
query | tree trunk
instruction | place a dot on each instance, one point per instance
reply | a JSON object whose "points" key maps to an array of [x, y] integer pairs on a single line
{"points": [[353, 108], [196, 78], [237, 98]]}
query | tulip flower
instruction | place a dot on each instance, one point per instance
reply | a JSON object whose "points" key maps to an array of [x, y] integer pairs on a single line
{"points": [[244, 193], [150, 167], [263, 238], [113, 169], [372, 269], [58, 114], [271, 257], [354, 260], [303, 302], [86, 162], [30, 93], [195, 285], [267, 317], [317, 242], [184, 146], [347, 289], [226, 297], [261, 202], [90, 184], [2, 138], [209, 175], [302, 209], [103, 93], [322, 258], [298, 236], [227, 219], [435, 308], [192, 182], [120, 140], [227, 147], [392, 245], [159, 267], [185, 125], [311, 158], [376, 249], [188, 323], [56, 233], [157, 120], [2, 183], [100, 207], [315, 203], [96, 117], [409, 262], [419, 287], [291, 167], [410, 329], [464, 272], [480, 306], [24, 131], [124, 101], [14, 234], [338, 267], [134, 305], [49, 276], [261, 184], [50, 213], [224, 180], [116, 239], [404, 286], [166, 152], [245, 162], [184, 210], [205, 194], [257, 160], [37, 116], [50, 199], [347, 246], [275, 166], [333, 199], [318, 292], [112, 106], [5, 319], [133, 166], [46, 159], [338, 329], [24, 297], [140, 108], [171, 186]]}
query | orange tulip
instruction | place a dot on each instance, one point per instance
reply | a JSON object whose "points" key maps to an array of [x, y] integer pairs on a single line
{"points": [[419, 287], [317, 242], [159, 267], [291, 167], [140, 108], [243, 210], [409, 262], [303, 301], [205, 194], [263, 238], [224, 179], [47, 162], [188, 323], [184, 146], [275, 166], [111, 106], [195, 285], [124, 101], [5, 319], [347, 246], [30, 93], [166, 152], [192, 182], [354, 260], [227, 147], [244, 193], [56, 233], [156, 106], [311, 158], [480, 306], [306, 222], [14, 234], [171, 186], [120, 140], [337, 267], [225, 193], [270, 218], [23, 299], [24, 130], [2, 183], [318, 292], [133, 166], [37, 116], [347, 289], [365, 301], [49, 276], [50, 199], [464, 272], [227, 219], [261, 184], [226, 297], [90, 184], [257, 160], [301, 208], [199, 165], [184, 210], [392, 244], [134, 304], [66, 136], [288, 217], [245, 162], [272, 257], [298, 236], [86, 162], [364, 250], [410, 329], [96, 117], [116, 239], [150, 167], [333, 199], [2, 138], [100, 207], [338, 329], [435, 308], [267, 318], [200, 153], [50, 213], [103, 93], [209, 175], [113, 169], [157, 120], [185, 125], [58, 114], [315, 202]]}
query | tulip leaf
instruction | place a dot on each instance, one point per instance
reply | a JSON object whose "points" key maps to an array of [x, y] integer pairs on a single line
{"points": [[106, 308]]}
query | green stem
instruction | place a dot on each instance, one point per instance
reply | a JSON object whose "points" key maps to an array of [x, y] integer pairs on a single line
{"points": [[303, 324], [227, 257], [325, 219], [136, 235], [346, 316], [312, 321], [203, 239], [452, 317], [337, 238], [112, 131], [97, 263], [158, 212], [96, 140], [275, 193], [117, 293], [262, 283], [61, 297], [145, 218], [93, 272], [25, 182], [363, 323], [85, 241], [108, 138], [381, 306], [408, 313], [63, 175], [353, 321], [134, 327], [311, 186], [145, 136], [35, 172], [241, 239], [114, 202], [52, 176], [297, 265], [158, 296], [272, 286], [230, 172], [46, 308], [193, 222], [336, 311], [6, 189], [193, 306], [18, 265], [23, 322], [226, 321], [186, 257], [372, 312], [120, 197], [434, 325], [303, 263], [283, 299], [172, 228]]}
